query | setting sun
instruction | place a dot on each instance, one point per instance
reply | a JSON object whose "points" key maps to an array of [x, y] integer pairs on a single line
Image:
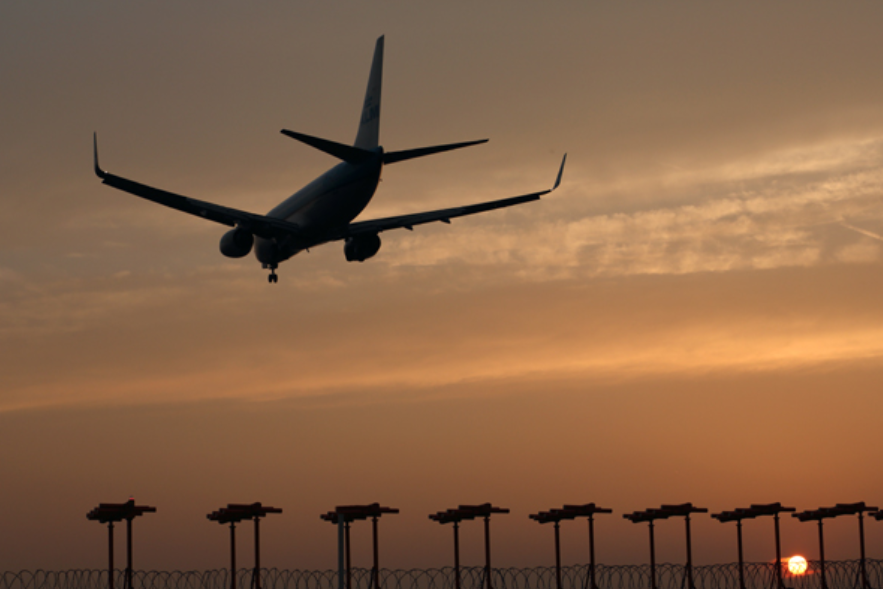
{"points": [[796, 565]]}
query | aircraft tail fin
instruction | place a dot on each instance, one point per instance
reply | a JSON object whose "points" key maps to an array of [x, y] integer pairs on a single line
{"points": [[368, 136]]}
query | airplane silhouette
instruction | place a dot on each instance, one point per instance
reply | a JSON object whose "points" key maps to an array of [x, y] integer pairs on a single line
{"points": [[323, 210]]}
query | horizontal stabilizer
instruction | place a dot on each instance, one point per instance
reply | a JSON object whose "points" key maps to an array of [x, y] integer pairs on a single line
{"points": [[407, 154], [346, 153]]}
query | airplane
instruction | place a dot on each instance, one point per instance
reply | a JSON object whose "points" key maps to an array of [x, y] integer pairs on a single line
{"points": [[323, 210]]}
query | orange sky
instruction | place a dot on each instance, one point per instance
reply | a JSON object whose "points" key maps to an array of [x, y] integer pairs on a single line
{"points": [[693, 316]]}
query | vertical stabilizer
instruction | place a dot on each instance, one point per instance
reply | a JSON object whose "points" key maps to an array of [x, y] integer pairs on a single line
{"points": [[368, 136]]}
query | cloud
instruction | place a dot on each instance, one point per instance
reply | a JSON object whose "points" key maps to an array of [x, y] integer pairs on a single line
{"points": [[487, 299], [759, 214], [864, 232], [10, 275], [226, 335]]}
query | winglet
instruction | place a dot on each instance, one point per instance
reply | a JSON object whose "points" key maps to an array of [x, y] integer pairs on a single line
{"points": [[560, 172], [98, 171]]}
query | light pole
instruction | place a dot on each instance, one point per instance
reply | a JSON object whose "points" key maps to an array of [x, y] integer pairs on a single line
{"points": [[572, 512], [821, 513], [108, 513], [737, 515], [233, 514], [468, 512], [774, 509], [344, 515], [666, 511]]}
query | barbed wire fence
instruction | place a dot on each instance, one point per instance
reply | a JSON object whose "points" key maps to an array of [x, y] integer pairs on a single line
{"points": [[845, 574]]}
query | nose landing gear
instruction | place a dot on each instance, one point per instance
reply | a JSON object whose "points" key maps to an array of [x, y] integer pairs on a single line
{"points": [[272, 278]]}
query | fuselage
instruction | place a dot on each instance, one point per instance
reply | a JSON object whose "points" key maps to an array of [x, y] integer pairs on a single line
{"points": [[330, 201]]}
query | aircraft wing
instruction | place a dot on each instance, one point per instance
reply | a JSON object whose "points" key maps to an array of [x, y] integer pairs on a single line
{"points": [[261, 225], [443, 215]]}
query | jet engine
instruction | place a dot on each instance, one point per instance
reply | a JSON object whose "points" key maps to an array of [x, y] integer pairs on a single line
{"points": [[361, 247], [237, 243]]}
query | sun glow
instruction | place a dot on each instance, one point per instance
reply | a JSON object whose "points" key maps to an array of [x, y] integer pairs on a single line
{"points": [[796, 565]]}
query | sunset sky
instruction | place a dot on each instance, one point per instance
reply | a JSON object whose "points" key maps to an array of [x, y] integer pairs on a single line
{"points": [[695, 315]]}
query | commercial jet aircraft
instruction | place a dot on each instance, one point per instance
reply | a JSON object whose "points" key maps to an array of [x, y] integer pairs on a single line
{"points": [[323, 210]]}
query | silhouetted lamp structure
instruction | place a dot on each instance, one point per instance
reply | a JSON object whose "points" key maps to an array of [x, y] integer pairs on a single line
{"points": [[877, 515], [649, 516], [572, 512], [859, 509], [469, 512], [818, 515], [343, 516], [108, 513], [666, 511], [233, 514], [773, 509], [447, 517], [737, 515]]}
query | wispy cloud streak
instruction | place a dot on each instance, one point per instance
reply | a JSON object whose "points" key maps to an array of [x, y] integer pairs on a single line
{"points": [[755, 215], [864, 232]]}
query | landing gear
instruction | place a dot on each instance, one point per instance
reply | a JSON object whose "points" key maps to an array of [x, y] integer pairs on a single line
{"points": [[272, 278]]}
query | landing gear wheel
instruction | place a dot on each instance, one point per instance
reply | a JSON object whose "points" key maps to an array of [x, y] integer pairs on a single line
{"points": [[272, 278]]}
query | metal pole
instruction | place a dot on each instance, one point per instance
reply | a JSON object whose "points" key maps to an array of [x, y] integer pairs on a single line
{"points": [[557, 555], [349, 571], [128, 553], [779, 582], [256, 578], [487, 549], [652, 559], [689, 571], [741, 562], [232, 555], [340, 551], [110, 554], [456, 555], [822, 554], [861, 537], [376, 571], [592, 551]]}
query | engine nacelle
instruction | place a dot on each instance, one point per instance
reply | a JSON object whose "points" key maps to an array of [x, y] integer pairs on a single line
{"points": [[361, 247], [237, 243]]}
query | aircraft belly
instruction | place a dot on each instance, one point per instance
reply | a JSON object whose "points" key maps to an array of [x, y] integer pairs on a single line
{"points": [[316, 209], [265, 251], [335, 208]]}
